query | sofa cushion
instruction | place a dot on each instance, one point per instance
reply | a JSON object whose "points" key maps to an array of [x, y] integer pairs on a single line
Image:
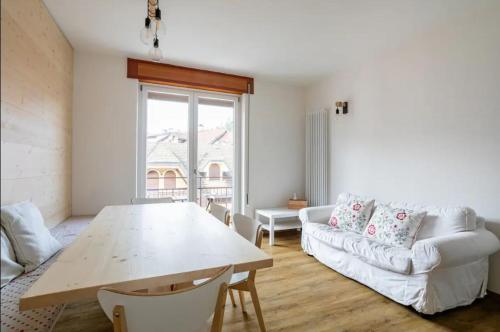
{"points": [[438, 221], [10, 268], [29, 236], [442, 221], [394, 226], [327, 234], [395, 259], [386, 257], [352, 216]]}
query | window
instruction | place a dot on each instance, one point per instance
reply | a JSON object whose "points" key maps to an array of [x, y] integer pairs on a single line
{"points": [[180, 133], [170, 180], [153, 181], [214, 172]]}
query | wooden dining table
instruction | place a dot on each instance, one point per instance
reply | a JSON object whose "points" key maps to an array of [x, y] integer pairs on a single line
{"points": [[134, 247]]}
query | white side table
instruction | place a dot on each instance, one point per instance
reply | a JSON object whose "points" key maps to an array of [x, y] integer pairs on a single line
{"points": [[276, 222]]}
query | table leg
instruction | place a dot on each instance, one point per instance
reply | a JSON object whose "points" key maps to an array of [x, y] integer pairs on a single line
{"points": [[271, 231]]}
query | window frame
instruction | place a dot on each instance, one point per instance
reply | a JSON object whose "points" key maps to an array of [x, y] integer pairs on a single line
{"points": [[239, 158]]}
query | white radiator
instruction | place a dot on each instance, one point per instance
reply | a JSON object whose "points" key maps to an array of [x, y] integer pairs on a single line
{"points": [[317, 158]]}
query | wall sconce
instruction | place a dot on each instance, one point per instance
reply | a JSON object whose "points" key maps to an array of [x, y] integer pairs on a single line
{"points": [[343, 105]]}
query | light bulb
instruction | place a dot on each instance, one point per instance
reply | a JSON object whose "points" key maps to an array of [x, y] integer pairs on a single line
{"points": [[155, 53], [147, 32], [146, 35]]}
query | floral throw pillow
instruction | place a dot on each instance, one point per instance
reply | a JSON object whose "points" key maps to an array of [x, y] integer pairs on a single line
{"points": [[394, 226], [352, 216]]}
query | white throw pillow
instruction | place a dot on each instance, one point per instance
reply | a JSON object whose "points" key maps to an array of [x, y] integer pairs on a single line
{"points": [[441, 221], [394, 226], [32, 241], [352, 216], [10, 268]]}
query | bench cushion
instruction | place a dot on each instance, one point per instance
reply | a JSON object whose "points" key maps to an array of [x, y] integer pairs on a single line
{"points": [[30, 320], [42, 319]]}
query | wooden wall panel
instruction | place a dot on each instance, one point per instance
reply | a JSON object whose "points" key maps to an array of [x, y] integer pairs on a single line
{"points": [[36, 104]]}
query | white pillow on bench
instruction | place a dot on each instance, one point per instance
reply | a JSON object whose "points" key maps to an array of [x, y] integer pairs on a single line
{"points": [[10, 268], [32, 241]]}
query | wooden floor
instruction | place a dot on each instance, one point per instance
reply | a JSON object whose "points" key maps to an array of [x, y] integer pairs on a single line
{"points": [[301, 294]]}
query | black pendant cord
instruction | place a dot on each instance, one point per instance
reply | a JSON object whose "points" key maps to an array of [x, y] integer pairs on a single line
{"points": [[156, 42], [158, 19], [147, 21], [158, 11], [153, 17]]}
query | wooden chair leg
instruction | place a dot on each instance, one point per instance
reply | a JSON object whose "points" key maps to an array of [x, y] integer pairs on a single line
{"points": [[256, 305], [242, 300], [231, 296], [119, 321], [219, 309]]}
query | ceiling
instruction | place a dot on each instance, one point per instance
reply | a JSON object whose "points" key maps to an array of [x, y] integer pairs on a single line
{"points": [[283, 40]]}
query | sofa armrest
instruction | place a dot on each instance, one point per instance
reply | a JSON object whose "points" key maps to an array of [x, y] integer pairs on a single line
{"points": [[317, 214], [459, 248]]}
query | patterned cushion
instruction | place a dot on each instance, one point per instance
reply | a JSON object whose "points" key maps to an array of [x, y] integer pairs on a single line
{"points": [[352, 216], [394, 226], [31, 320], [14, 289], [37, 319], [438, 221]]}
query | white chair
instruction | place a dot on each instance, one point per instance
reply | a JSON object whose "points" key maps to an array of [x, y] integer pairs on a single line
{"points": [[139, 200], [186, 310], [251, 230], [219, 212]]}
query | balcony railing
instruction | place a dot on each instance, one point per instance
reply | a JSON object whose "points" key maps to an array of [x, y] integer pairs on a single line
{"points": [[219, 189]]}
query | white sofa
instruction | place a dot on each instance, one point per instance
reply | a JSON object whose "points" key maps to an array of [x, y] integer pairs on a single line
{"points": [[446, 267]]}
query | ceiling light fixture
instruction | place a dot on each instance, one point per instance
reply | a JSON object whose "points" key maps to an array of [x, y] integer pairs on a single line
{"points": [[153, 27]]}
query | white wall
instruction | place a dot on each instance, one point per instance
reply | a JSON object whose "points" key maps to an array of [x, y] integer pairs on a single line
{"points": [[277, 144], [104, 137], [424, 122], [104, 133]]}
